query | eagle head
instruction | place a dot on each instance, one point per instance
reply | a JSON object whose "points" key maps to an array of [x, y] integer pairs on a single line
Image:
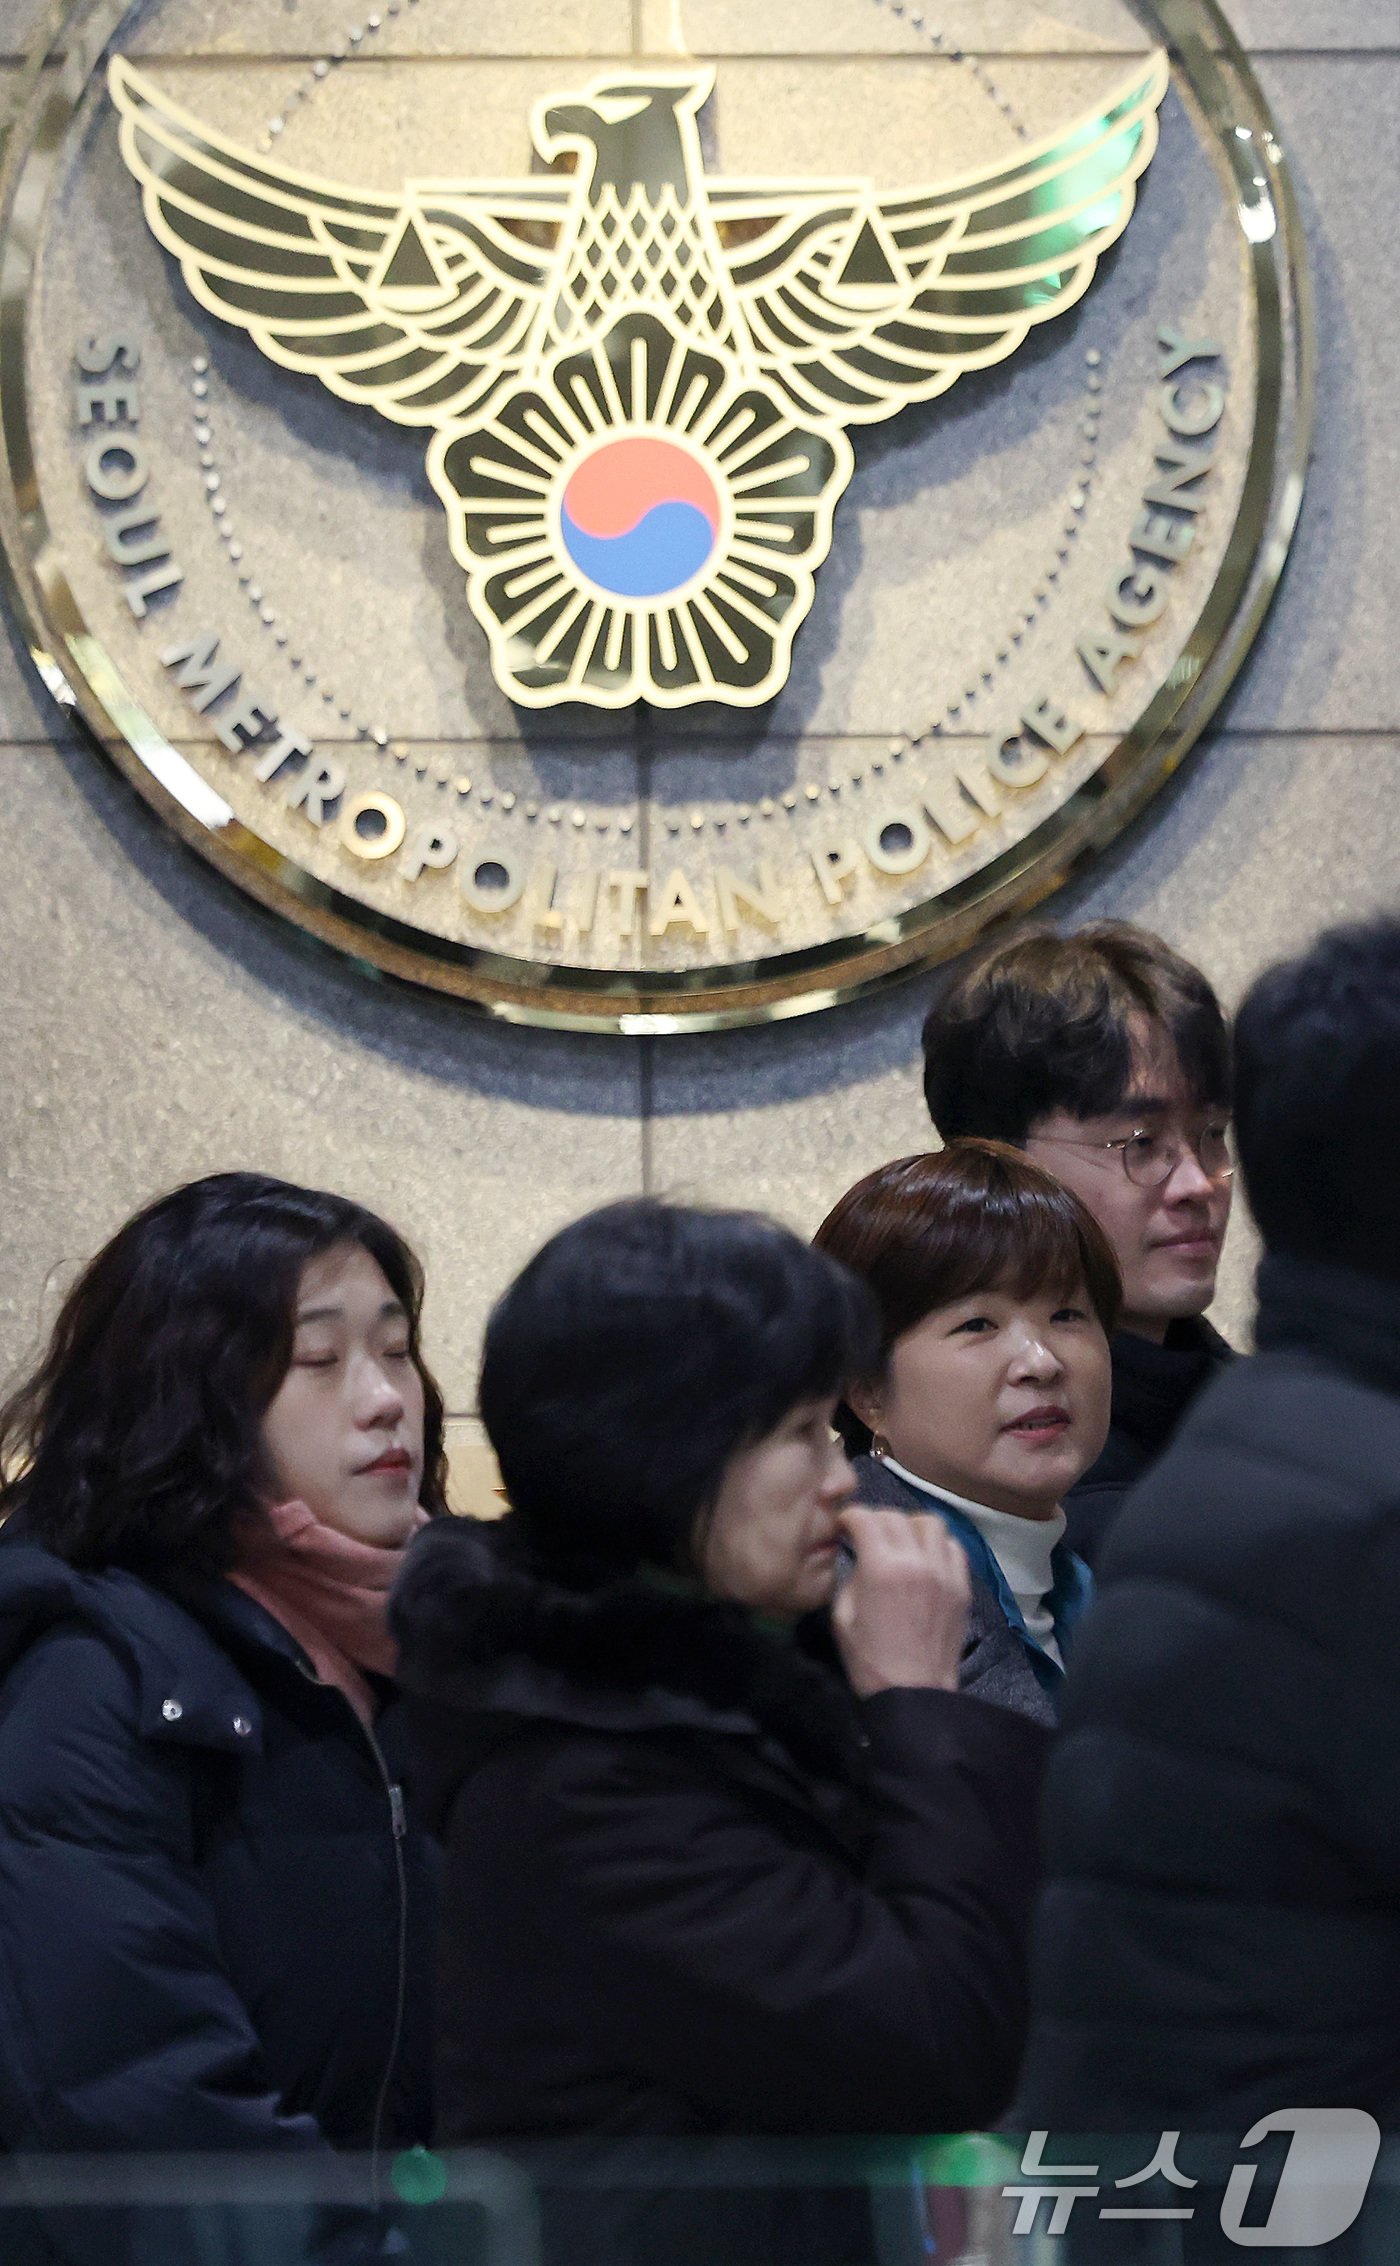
{"points": [[630, 132]]}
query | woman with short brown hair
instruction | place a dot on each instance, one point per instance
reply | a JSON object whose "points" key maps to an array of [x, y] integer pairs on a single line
{"points": [[997, 1293]]}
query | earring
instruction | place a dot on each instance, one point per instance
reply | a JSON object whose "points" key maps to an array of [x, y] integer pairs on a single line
{"points": [[879, 1445]]}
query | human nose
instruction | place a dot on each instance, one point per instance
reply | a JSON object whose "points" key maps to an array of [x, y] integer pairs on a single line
{"points": [[1033, 1357], [838, 1484], [1188, 1181], [379, 1400]]}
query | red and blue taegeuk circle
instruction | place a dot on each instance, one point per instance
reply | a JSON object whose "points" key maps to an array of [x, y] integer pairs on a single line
{"points": [[640, 517]]}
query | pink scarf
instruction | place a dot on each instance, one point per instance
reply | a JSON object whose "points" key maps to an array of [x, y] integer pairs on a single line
{"points": [[328, 1591]]}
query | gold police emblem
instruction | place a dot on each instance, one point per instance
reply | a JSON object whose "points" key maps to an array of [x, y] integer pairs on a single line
{"points": [[662, 541], [638, 382]]}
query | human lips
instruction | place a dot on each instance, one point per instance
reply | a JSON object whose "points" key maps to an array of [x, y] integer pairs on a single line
{"points": [[1040, 1426], [1197, 1243], [392, 1459]]}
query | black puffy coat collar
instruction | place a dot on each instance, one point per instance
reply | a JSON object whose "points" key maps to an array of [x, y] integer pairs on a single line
{"points": [[485, 1629], [189, 1691]]}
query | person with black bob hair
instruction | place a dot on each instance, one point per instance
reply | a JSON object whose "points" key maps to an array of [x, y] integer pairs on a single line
{"points": [[700, 1879], [1221, 1941], [1105, 1056], [215, 1922]]}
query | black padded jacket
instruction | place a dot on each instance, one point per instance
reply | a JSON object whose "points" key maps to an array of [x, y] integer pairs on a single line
{"points": [[1219, 1937]]}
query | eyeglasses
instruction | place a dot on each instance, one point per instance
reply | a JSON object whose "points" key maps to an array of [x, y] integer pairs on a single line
{"points": [[1150, 1159]]}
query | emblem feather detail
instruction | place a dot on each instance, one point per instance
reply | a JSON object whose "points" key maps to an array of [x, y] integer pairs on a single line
{"points": [[546, 327], [311, 269]]}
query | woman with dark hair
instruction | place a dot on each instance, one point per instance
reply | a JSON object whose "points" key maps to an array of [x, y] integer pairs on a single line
{"points": [[214, 1925], [998, 1292], [700, 1881]]}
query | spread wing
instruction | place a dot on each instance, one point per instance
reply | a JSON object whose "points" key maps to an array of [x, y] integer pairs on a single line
{"points": [[420, 305], [858, 304]]}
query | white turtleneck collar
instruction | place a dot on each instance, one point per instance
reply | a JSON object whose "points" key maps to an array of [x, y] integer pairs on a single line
{"points": [[1022, 1548]]}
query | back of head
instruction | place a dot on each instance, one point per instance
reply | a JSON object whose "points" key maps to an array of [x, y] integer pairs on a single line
{"points": [[928, 1231], [1318, 1100], [136, 1441], [636, 1353], [1043, 1022]]}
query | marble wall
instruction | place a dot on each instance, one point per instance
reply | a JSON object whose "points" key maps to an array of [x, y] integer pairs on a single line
{"points": [[156, 1026]]}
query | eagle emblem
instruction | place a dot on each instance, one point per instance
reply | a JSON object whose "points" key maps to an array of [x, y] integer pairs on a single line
{"points": [[638, 379]]}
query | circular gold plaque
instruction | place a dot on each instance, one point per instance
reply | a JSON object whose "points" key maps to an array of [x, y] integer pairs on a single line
{"points": [[661, 539]]}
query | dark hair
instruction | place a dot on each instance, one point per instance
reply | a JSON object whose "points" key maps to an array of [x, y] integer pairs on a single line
{"points": [[637, 1352], [136, 1441], [1044, 1022], [1318, 1100], [927, 1231]]}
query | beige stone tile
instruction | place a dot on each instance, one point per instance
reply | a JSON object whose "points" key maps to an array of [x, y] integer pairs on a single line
{"points": [[19, 25], [315, 28], [784, 1119], [861, 27], [474, 1482], [1326, 660], [1260, 843], [569, 28], [1318, 24], [160, 1027]]}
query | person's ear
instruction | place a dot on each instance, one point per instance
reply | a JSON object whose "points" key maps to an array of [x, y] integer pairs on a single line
{"points": [[863, 1400]]}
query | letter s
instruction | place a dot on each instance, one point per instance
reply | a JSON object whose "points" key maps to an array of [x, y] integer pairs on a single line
{"points": [[97, 355], [1323, 2186]]}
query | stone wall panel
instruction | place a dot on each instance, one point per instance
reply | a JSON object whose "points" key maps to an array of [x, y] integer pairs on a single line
{"points": [[163, 1028], [1326, 660]]}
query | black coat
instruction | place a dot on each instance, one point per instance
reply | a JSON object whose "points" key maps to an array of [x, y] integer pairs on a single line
{"points": [[1153, 1387], [1220, 1935], [692, 1886], [213, 1933]]}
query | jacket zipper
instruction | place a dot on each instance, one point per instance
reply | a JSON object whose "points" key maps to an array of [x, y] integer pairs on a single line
{"points": [[398, 1825]]}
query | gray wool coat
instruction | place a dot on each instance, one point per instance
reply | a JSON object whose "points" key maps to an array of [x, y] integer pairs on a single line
{"points": [[994, 1664]]}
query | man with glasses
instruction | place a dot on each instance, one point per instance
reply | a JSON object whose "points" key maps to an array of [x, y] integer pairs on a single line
{"points": [[1106, 1057]]}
